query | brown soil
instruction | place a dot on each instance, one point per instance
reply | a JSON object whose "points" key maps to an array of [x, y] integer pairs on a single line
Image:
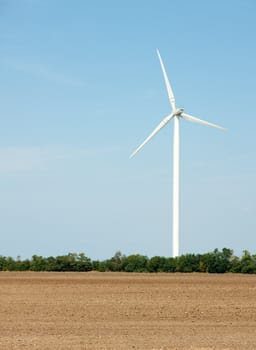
{"points": [[127, 311]]}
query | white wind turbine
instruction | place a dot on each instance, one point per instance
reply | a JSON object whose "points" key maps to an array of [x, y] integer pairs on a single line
{"points": [[176, 115]]}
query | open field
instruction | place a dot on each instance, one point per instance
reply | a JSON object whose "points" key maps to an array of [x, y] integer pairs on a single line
{"points": [[127, 311]]}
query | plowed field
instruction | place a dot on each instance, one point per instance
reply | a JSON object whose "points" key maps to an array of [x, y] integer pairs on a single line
{"points": [[127, 311]]}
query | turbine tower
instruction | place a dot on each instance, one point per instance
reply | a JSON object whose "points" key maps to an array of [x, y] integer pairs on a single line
{"points": [[176, 115]]}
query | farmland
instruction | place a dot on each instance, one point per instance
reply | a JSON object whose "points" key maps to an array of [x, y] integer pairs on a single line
{"points": [[46, 310]]}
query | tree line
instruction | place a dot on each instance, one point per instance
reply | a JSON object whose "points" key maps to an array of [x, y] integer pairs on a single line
{"points": [[213, 262]]}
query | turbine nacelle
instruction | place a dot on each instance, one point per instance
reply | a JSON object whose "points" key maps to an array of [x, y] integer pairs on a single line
{"points": [[178, 111]]}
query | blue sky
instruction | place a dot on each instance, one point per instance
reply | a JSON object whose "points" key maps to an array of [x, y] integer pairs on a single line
{"points": [[81, 88]]}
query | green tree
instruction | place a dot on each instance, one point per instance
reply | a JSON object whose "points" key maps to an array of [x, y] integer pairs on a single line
{"points": [[50, 263], [156, 264], [135, 263], [2, 263], [38, 263], [170, 265], [22, 265], [248, 263], [116, 262], [188, 263], [83, 263], [102, 266], [217, 262]]}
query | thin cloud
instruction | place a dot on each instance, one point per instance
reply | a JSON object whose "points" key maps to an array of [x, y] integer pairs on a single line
{"points": [[19, 159], [42, 71], [27, 159], [16, 159]]}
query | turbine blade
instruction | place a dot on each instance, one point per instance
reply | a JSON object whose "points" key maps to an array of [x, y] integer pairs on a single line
{"points": [[155, 131], [200, 121], [167, 83]]}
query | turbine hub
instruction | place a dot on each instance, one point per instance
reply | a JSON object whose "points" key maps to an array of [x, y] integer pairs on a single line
{"points": [[178, 111]]}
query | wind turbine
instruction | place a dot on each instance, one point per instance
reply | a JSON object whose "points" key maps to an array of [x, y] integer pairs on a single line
{"points": [[176, 115]]}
